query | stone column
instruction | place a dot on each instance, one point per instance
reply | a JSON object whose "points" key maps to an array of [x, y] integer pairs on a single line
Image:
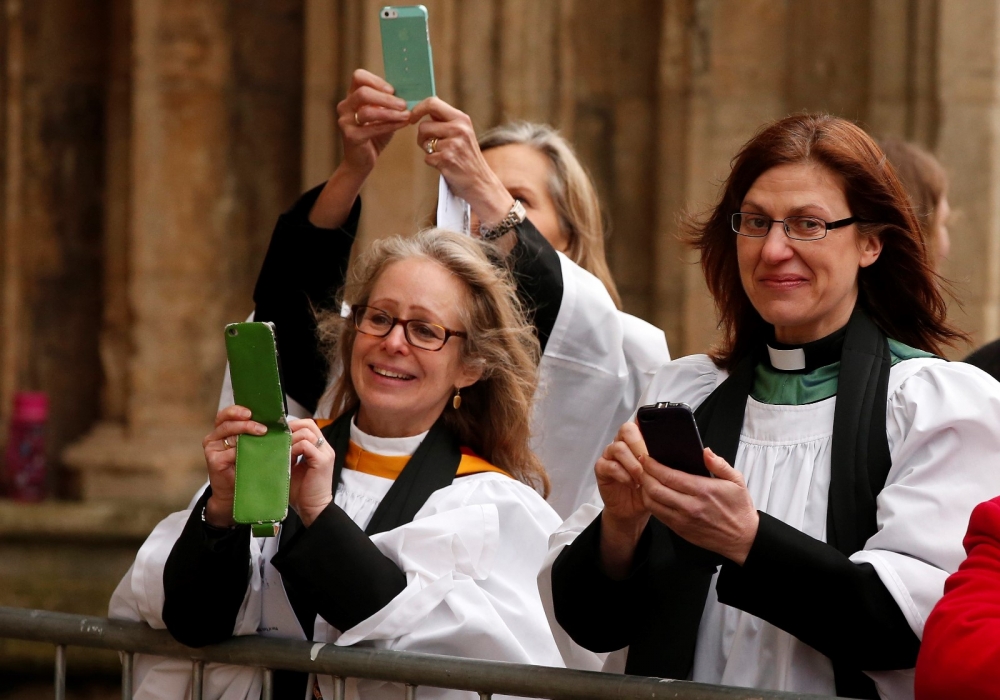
{"points": [[179, 206], [712, 99], [969, 147], [56, 61]]}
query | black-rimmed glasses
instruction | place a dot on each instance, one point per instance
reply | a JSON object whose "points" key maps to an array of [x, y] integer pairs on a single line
{"points": [[799, 228], [420, 334]]}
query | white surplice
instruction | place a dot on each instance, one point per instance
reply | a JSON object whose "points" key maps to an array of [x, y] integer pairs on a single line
{"points": [[470, 557], [943, 427]]}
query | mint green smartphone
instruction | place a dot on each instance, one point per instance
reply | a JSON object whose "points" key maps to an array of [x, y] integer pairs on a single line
{"points": [[263, 462], [406, 52]]}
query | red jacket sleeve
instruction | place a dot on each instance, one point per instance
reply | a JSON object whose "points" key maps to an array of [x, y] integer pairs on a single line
{"points": [[960, 653]]}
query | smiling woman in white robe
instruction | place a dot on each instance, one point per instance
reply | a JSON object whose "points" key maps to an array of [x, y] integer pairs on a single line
{"points": [[845, 457], [417, 520]]}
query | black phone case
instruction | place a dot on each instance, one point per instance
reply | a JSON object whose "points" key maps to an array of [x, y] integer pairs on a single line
{"points": [[672, 437]]}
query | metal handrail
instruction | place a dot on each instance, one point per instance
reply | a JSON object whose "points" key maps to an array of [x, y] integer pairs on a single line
{"points": [[408, 668]]}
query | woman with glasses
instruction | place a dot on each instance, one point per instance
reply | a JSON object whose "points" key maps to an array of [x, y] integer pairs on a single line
{"points": [[526, 184], [417, 517], [845, 457]]}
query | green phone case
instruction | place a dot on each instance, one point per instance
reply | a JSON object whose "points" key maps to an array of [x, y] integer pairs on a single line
{"points": [[406, 52], [263, 462]]}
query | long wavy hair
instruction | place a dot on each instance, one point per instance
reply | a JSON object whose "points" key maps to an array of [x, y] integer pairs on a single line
{"points": [[571, 190], [495, 415], [899, 290]]}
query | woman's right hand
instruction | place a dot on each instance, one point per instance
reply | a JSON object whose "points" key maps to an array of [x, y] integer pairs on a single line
{"points": [[619, 475], [221, 460], [368, 117]]}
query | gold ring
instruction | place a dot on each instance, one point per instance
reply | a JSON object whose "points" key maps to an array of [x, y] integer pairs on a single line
{"points": [[225, 441], [356, 120], [431, 146]]}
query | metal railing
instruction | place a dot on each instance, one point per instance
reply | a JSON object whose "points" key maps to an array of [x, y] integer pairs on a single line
{"points": [[408, 668]]}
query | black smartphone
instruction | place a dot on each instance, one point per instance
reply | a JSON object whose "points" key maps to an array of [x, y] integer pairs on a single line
{"points": [[672, 436]]}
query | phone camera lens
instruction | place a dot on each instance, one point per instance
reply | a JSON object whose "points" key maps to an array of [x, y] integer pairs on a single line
{"points": [[233, 332]]}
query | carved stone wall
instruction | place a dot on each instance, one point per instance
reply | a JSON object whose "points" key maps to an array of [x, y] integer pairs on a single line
{"points": [[147, 147]]}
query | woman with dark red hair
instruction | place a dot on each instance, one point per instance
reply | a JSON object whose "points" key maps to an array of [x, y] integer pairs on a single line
{"points": [[845, 456]]}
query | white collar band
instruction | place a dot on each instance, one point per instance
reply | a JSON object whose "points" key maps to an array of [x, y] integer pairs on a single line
{"points": [[787, 360], [387, 447]]}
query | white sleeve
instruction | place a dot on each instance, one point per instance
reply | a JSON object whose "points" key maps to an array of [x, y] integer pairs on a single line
{"points": [[139, 597], [574, 655], [586, 377], [943, 424], [470, 558]]}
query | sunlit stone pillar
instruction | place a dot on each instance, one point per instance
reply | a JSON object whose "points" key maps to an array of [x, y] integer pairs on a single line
{"points": [[969, 147]]}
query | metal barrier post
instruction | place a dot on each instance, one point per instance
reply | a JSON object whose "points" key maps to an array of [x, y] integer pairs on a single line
{"points": [[197, 680], [339, 688], [60, 672], [411, 692], [127, 661], [267, 691]]}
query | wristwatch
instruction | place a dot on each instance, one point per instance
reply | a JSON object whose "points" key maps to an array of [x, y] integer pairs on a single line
{"points": [[515, 216]]}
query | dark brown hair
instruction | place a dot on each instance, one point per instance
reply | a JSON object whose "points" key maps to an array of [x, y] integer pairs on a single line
{"points": [[899, 290], [495, 415]]}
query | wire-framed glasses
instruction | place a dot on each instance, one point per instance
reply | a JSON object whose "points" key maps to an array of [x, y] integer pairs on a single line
{"points": [[799, 228], [420, 334]]}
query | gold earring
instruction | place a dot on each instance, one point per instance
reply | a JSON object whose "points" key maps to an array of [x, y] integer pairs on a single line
{"points": [[456, 400]]}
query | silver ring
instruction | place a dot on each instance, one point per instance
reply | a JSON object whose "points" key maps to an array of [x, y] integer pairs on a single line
{"points": [[356, 120], [225, 441], [321, 441]]}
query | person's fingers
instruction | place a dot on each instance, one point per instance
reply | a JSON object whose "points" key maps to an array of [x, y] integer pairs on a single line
{"points": [[361, 78], [368, 115], [609, 469], [619, 452], [671, 504], [720, 468], [630, 435], [372, 132], [231, 428], [437, 109], [233, 412], [675, 479], [367, 96]]}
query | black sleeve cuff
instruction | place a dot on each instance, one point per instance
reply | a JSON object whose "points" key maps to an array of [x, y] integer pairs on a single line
{"points": [[205, 580], [538, 275], [335, 564], [303, 270], [811, 590], [596, 611]]}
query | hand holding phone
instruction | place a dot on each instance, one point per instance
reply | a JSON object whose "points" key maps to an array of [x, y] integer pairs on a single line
{"points": [[672, 437]]}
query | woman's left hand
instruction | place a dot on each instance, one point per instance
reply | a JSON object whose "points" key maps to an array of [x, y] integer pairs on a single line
{"points": [[456, 155], [715, 514], [311, 490]]}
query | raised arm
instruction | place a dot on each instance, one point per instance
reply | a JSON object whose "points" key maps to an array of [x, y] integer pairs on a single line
{"points": [[306, 261]]}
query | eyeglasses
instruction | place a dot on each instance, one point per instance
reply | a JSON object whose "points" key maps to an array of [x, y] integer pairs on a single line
{"points": [[419, 334], [799, 228]]}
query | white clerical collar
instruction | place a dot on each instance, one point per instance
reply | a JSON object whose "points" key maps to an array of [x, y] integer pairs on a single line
{"points": [[387, 447], [787, 360]]}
